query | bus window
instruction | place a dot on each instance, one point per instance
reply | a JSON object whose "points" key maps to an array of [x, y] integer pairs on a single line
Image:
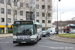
{"points": [[23, 29]]}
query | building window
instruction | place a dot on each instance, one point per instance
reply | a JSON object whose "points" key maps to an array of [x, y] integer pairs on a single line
{"points": [[43, 14], [2, 1], [31, 16], [49, 21], [37, 6], [37, 13], [27, 5], [21, 12], [15, 3], [15, 19], [37, 0], [48, 0], [32, 2], [43, 21], [48, 6], [8, 2], [2, 10], [21, 19], [43, 0], [21, 4], [9, 20], [15, 12], [9, 11], [27, 15], [43, 6], [37, 20], [49, 14], [2, 19]]}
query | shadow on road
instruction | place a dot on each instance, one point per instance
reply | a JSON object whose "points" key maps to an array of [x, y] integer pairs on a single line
{"points": [[25, 44]]}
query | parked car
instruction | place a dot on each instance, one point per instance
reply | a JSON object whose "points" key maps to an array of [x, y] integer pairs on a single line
{"points": [[44, 33]]}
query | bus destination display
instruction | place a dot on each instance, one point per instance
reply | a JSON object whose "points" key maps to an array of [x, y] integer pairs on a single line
{"points": [[23, 22]]}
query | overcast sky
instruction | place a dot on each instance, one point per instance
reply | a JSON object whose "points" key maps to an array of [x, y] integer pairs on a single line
{"points": [[66, 6]]}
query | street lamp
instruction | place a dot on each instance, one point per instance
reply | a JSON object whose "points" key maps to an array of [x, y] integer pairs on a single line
{"points": [[57, 16], [60, 15]]}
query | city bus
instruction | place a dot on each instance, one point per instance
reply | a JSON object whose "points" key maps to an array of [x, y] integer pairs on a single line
{"points": [[26, 32]]}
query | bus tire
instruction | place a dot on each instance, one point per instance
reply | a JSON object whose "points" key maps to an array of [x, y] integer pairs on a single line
{"points": [[40, 38]]}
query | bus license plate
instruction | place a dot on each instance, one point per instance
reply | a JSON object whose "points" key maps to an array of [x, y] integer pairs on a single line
{"points": [[23, 42], [23, 37]]}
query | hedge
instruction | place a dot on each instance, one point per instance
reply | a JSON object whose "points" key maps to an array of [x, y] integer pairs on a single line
{"points": [[10, 31]]}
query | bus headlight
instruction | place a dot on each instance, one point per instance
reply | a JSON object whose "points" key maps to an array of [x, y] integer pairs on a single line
{"points": [[14, 39]]}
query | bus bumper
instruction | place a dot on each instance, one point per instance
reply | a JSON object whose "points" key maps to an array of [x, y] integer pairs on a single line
{"points": [[25, 41]]}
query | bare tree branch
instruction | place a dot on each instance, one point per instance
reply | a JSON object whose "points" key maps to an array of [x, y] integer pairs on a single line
{"points": [[21, 7]]}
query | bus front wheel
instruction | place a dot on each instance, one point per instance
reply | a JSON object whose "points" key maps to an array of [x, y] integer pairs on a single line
{"points": [[36, 41]]}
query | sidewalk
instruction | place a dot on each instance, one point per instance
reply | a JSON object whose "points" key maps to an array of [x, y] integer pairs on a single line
{"points": [[61, 39], [6, 35]]}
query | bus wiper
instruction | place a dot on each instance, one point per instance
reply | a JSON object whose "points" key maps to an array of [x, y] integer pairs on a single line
{"points": [[18, 34]]}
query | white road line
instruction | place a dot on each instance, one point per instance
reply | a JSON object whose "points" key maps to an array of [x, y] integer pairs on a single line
{"points": [[52, 47], [43, 46], [5, 42], [49, 42], [2, 38]]}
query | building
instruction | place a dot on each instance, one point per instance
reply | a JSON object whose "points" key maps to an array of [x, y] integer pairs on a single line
{"points": [[63, 24], [36, 9]]}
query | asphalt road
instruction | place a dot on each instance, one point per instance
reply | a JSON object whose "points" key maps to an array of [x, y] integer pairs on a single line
{"points": [[44, 44]]}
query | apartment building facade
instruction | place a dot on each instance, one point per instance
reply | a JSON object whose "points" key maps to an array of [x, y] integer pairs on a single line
{"points": [[38, 10]]}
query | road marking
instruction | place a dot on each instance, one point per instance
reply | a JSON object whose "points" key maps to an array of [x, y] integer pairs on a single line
{"points": [[52, 47], [43, 46], [43, 42], [5, 42], [51, 43], [2, 38]]}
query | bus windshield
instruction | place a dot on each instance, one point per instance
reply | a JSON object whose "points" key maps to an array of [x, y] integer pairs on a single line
{"points": [[23, 30]]}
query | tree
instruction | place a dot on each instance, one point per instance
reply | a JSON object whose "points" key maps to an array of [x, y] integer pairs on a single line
{"points": [[46, 11], [15, 9]]}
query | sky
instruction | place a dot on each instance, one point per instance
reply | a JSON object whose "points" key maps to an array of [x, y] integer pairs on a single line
{"points": [[66, 6]]}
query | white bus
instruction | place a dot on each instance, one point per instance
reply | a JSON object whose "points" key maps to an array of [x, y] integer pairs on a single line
{"points": [[26, 32]]}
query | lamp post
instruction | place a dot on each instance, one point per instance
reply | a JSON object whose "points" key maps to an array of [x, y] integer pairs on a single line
{"points": [[57, 17]]}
